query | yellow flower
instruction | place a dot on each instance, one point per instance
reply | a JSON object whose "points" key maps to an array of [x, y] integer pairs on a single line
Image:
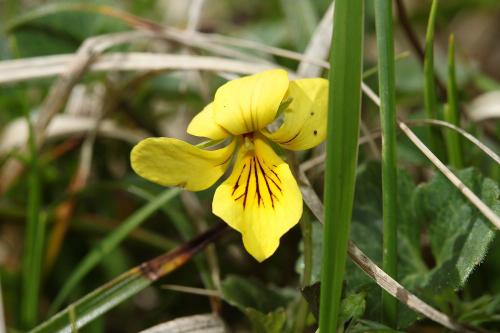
{"points": [[260, 199]]}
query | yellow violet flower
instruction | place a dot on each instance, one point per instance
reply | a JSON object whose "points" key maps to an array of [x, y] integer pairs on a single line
{"points": [[261, 198]]}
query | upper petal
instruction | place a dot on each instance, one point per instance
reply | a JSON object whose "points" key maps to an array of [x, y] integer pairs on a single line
{"points": [[304, 124], [203, 124], [261, 199], [172, 162], [250, 103]]}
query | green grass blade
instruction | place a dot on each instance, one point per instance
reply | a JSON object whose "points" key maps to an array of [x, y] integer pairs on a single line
{"points": [[35, 234], [451, 114], [341, 152], [126, 285], [387, 92], [110, 243], [430, 99]]}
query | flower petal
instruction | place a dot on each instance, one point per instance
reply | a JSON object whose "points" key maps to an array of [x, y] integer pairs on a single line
{"points": [[250, 103], [172, 162], [204, 125], [261, 199], [304, 124]]}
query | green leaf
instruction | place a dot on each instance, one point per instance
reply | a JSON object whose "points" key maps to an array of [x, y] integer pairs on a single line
{"points": [[243, 293], [265, 307], [481, 310], [459, 235], [271, 322], [352, 307]]}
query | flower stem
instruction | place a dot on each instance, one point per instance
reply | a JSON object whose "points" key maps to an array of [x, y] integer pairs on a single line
{"points": [[341, 153], [303, 307]]}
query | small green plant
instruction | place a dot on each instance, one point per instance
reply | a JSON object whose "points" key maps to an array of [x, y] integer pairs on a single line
{"points": [[336, 116]]}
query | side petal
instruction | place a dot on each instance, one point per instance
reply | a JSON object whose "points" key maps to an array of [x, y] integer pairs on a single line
{"points": [[250, 103], [261, 199], [204, 125], [304, 123], [172, 162]]}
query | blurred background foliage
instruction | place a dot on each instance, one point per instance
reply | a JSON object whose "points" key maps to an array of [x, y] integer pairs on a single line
{"points": [[263, 297]]}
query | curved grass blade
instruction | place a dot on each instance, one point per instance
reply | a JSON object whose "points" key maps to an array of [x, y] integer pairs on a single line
{"points": [[126, 285], [341, 152], [387, 78], [110, 242]]}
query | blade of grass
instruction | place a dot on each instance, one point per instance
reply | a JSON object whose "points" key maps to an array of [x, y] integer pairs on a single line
{"points": [[430, 99], [34, 239], [387, 92], [126, 285], [451, 114], [341, 152], [109, 243]]}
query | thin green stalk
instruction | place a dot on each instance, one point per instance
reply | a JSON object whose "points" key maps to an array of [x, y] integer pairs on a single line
{"points": [[34, 239], [341, 153], [451, 114], [110, 242], [430, 99], [306, 228], [387, 91], [303, 307]]}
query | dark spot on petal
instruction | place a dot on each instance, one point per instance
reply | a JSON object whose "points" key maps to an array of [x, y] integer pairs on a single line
{"points": [[312, 113], [315, 132]]}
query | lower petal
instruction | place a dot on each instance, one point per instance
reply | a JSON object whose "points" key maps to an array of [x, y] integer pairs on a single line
{"points": [[261, 198], [172, 162]]}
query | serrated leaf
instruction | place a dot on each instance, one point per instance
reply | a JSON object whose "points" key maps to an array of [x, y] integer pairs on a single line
{"points": [[458, 234]]}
